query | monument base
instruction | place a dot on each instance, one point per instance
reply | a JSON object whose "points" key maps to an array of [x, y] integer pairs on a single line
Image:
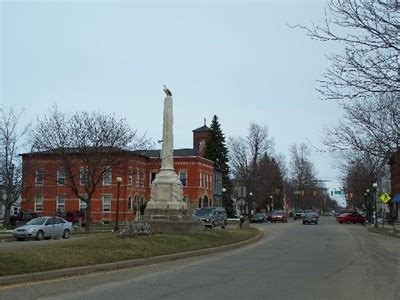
{"points": [[173, 224]]}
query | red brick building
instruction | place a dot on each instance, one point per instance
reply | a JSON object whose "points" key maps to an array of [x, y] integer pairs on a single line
{"points": [[46, 189]]}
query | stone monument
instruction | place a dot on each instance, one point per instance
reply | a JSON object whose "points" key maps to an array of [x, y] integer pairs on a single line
{"points": [[166, 211]]}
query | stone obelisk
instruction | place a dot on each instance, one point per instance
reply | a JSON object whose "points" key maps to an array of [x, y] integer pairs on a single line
{"points": [[166, 196]]}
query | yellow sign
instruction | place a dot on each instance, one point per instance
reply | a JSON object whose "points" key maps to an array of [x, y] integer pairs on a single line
{"points": [[384, 197]]}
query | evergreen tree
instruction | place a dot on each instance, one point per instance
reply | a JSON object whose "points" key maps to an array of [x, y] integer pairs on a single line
{"points": [[217, 151]]}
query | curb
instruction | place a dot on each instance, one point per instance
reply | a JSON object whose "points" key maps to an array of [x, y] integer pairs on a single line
{"points": [[14, 279], [374, 230]]}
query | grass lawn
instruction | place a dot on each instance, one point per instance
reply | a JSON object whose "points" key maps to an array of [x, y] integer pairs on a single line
{"points": [[107, 247]]}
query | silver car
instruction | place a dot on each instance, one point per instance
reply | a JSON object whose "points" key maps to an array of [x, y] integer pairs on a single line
{"points": [[44, 228]]}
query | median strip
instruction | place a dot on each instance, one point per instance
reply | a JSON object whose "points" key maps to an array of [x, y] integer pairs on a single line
{"points": [[108, 252]]}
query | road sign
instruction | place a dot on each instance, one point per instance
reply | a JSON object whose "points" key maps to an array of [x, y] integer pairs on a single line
{"points": [[241, 202], [384, 197]]}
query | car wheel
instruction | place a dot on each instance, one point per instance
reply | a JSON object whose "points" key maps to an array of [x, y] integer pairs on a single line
{"points": [[212, 224], [40, 235], [66, 234], [304, 223], [21, 239]]}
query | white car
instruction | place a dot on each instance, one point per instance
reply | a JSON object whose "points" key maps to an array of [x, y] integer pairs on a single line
{"points": [[44, 227]]}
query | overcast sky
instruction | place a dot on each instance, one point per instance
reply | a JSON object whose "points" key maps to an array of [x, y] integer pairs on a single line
{"points": [[236, 59]]}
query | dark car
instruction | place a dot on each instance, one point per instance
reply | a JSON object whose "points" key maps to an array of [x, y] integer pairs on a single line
{"points": [[76, 217], [298, 214], [211, 216], [352, 217], [258, 218], [22, 218], [278, 216], [310, 218]]}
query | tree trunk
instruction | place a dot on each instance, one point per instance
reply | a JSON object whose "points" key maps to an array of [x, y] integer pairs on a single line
{"points": [[88, 215], [7, 213]]}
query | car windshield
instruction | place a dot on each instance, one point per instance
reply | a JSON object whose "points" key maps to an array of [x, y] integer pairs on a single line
{"points": [[203, 211], [37, 221], [278, 213]]}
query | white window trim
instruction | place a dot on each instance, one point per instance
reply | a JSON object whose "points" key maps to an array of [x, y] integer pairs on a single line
{"points": [[36, 177], [36, 198], [57, 203], [186, 177], [102, 204], [80, 204], [58, 178], [80, 175], [108, 171]]}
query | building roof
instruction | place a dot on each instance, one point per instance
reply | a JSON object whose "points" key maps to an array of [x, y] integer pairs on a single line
{"points": [[203, 128], [186, 152], [177, 152]]}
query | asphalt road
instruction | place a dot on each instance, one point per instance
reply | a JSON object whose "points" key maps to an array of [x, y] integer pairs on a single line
{"points": [[293, 261]]}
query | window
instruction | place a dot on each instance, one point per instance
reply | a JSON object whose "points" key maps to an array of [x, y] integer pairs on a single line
{"points": [[130, 203], [38, 202], [142, 178], [82, 205], [152, 177], [107, 176], [61, 176], [60, 203], [84, 176], [107, 203], [137, 180], [39, 177], [183, 178]]}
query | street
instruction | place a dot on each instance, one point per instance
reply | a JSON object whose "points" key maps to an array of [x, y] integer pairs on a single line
{"points": [[292, 261]]}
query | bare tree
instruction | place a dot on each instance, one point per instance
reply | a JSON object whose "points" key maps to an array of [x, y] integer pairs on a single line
{"points": [[359, 171], [369, 65], [303, 174], [12, 133], [253, 165], [371, 127], [98, 142]]}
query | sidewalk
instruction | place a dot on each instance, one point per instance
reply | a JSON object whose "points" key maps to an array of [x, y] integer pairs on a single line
{"points": [[386, 230]]}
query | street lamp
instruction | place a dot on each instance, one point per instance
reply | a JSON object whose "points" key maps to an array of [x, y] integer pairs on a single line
{"points": [[119, 180], [272, 202], [375, 186], [368, 205], [250, 204]]}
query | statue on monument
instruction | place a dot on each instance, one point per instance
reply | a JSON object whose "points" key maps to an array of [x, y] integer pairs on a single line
{"points": [[167, 91]]}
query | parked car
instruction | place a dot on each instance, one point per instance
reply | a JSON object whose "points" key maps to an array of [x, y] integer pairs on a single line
{"points": [[211, 216], [338, 213], [278, 216], [258, 218], [352, 217], [298, 214], [76, 217], [44, 227], [22, 218], [328, 213], [310, 218]]}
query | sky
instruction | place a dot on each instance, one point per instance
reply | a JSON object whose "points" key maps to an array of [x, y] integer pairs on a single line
{"points": [[238, 60]]}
